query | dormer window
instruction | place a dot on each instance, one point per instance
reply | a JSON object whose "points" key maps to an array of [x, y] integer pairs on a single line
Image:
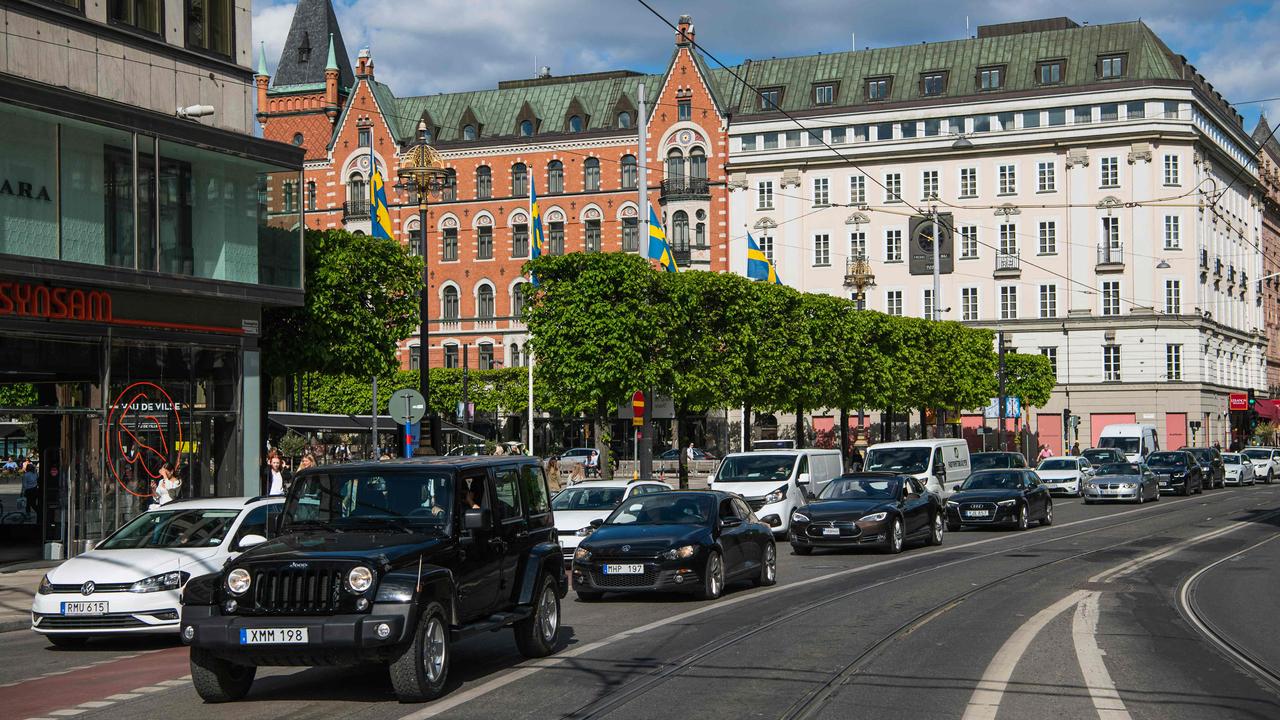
{"points": [[1111, 66], [1050, 72], [991, 78], [624, 120], [770, 98], [934, 83], [824, 94], [304, 49], [878, 89], [469, 132], [575, 123], [526, 128]]}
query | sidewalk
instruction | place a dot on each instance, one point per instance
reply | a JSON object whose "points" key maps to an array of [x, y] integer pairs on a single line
{"points": [[17, 587]]}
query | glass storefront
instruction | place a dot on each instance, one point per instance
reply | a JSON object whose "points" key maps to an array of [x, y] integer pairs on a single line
{"points": [[175, 403], [87, 193]]}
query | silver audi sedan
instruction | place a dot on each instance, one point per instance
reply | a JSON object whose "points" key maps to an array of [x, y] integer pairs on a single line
{"points": [[1122, 481]]}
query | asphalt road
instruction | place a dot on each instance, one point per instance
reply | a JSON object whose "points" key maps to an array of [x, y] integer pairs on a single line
{"points": [[1114, 612]]}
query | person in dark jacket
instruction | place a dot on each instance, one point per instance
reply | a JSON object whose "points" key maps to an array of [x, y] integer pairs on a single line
{"points": [[276, 478]]}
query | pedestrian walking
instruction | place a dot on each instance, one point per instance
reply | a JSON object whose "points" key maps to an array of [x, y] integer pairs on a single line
{"points": [[855, 460], [553, 475], [577, 475], [277, 478], [31, 487], [165, 489], [1075, 448], [688, 452], [1045, 453]]}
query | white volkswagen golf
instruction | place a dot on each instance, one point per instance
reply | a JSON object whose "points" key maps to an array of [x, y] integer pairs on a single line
{"points": [[132, 581]]}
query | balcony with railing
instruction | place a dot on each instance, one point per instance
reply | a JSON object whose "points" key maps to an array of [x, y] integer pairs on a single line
{"points": [[355, 210], [1008, 265], [685, 188], [1110, 257]]}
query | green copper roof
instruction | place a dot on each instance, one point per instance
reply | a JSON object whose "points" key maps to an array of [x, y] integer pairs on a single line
{"points": [[262, 59], [332, 62], [293, 89]]}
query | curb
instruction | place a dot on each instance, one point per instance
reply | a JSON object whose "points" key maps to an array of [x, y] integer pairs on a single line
{"points": [[29, 565], [15, 625]]}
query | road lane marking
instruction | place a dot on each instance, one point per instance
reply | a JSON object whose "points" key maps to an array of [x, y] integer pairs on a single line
{"points": [[984, 704], [527, 668], [1084, 635]]}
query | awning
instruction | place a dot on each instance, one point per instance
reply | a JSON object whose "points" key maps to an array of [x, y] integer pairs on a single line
{"points": [[1268, 409], [319, 422]]}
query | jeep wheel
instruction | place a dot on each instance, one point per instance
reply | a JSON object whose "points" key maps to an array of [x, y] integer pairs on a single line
{"points": [[536, 634], [712, 578], [419, 672], [218, 680]]}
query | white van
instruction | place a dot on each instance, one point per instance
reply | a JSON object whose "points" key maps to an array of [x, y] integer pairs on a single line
{"points": [[775, 482], [1135, 440], [942, 464]]}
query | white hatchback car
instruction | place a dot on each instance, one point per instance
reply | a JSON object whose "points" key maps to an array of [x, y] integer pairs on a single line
{"points": [[1238, 469], [1065, 475], [576, 506], [132, 581]]}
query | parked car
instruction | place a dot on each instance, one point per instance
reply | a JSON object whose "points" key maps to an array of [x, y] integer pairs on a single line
{"points": [[698, 454], [131, 583], [993, 497], [575, 456], [1065, 475], [1210, 460], [695, 541], [1122, 481], [942, 465], [1266, 462], [575, 507], [1102, 456], [996, 461], [386, 563], [1237, 469], [1135, 440], [1177, 471], [776, 482], [880, 509]]}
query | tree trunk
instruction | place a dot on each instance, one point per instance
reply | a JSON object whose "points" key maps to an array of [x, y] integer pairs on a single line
{"points": [[844, 439], [799, 427], [602, 447], [746, 427], [681, 430]]}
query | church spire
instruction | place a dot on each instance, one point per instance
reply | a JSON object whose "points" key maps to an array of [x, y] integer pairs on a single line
{"points": [[301, 62]]}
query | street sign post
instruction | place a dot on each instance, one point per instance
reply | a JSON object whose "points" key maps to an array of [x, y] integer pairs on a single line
{"points": [[637, 409], [1238, 401], [407, 407]]}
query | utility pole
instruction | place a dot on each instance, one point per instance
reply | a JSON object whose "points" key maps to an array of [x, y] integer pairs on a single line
{"points": [[645, 449], [466, 384], [1000, 399]]}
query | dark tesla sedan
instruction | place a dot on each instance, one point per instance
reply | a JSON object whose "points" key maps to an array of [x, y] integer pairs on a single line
{"points": [[881, 509], [1211, 466], [695, 541], [1177, 471], [1009, 497]]}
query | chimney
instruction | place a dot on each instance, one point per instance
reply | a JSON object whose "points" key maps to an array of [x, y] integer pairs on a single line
{"points": [[364, 64], [685, 32], [331, 83], [261, 79]]}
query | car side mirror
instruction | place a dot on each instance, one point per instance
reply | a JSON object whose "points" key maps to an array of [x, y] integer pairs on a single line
{"points": [[476, 519], [596, 523], [803, 479], [730, 522], [249, 541]]}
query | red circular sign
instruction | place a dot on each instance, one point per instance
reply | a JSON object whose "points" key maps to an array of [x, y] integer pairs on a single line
{"points": [[144, 431], [637, 402]]}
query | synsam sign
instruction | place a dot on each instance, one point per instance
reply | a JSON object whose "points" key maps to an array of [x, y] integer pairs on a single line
{"points": [[54, 303]]}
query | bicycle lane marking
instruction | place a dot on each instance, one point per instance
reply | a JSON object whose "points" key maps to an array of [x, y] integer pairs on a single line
{"points": [[46, 694]]}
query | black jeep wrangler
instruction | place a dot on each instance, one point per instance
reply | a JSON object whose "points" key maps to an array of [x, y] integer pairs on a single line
{"points": [[385, 562]]}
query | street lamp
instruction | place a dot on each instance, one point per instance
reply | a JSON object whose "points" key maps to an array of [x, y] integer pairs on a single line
{"points": [[422, 171]]}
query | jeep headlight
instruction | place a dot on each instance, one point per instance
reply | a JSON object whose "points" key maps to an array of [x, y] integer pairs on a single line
{"points": [[797, 517], [776, 496], [582, 554], [238, 581], [360, 579], [873, 517], [46, 587], [156, 583], [680, 553], [1007, 503]]}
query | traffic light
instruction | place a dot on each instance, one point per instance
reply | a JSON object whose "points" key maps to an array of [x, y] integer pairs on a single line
{"points": [[1251, 399], [1066, 417]]}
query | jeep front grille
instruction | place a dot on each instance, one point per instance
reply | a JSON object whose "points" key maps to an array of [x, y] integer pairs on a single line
{"points": [[313, 590]]}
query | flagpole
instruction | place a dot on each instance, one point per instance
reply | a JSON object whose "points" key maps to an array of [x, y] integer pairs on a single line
{"points": [[529, 354], [645, 450]]}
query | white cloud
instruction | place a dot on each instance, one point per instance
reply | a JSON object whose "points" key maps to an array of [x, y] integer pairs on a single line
{"points": [[432, 46]]}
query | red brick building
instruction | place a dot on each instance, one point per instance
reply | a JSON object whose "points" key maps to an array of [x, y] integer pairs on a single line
{"points": [[577, 135]]}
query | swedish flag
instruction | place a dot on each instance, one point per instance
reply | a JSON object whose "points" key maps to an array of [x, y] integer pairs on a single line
{"points": [[658, 248], [535, 228], [378, 211], [759, 266]]}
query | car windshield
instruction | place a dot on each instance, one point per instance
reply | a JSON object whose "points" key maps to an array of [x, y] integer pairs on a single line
{"points": [[1095, 455], [1120, 469], [755, 467], [1167, 459], [421, 500], [909, 460], [1126, 445], [993, 480], [173, 529], [1058, 464], [588, 498], [861, 488], [663, 509], [1204, 455], [1232, 459], [990, 461], [1258, 454]]}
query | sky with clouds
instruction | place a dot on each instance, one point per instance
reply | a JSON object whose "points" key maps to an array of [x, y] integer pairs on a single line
{"points": [[429, 46]]}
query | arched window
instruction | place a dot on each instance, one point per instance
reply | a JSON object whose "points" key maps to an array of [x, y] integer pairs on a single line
{"points": [[675, 165], [484, 183], [415, 239], [517, 300], [469, 132], [485, 359], [449, 303], [519, 180], [700, 235], [624, 120], [357, 192], [526, 128], [449, 189], [680, 231], [630, 176], [484, 302], [513, 356], [575, 123], [591, 175], [697, 164], [555, 177]]}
